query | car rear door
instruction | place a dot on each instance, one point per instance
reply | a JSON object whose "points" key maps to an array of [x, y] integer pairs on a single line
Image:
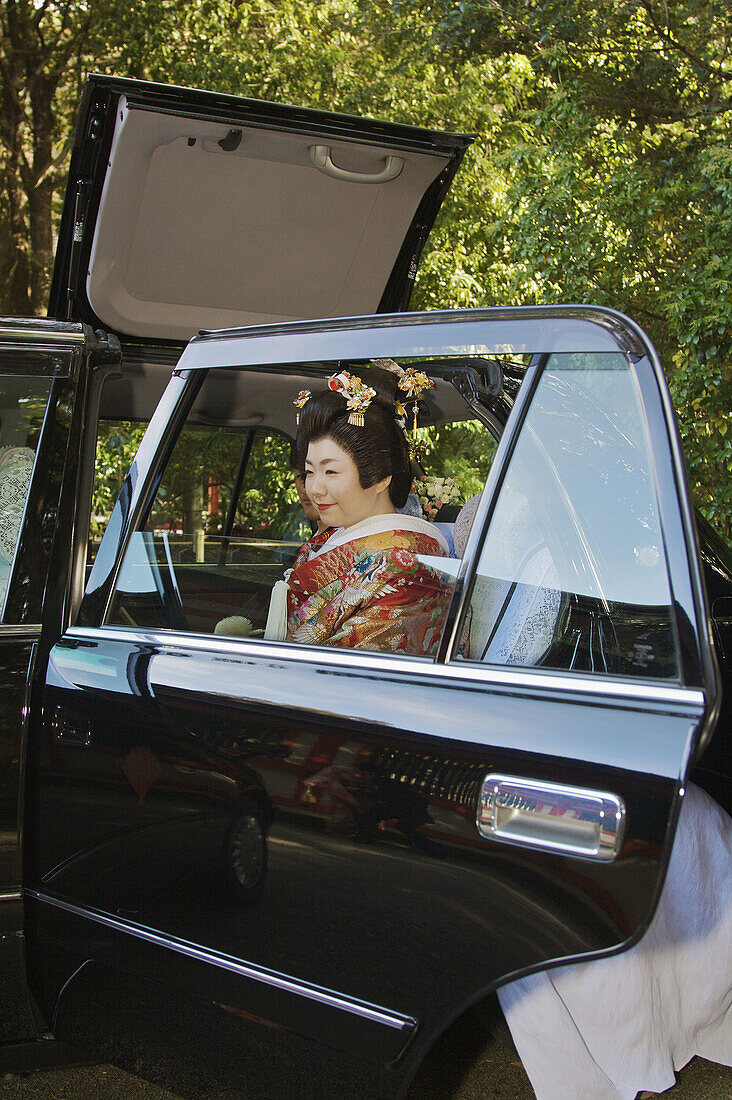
{"points": [[433, 828], [190, 210]]}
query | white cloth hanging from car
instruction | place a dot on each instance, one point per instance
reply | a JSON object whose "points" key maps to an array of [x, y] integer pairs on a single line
{"points": [[609, 1028]]}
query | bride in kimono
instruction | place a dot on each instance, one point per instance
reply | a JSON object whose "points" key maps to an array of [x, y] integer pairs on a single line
{"points": [[360, 583]]}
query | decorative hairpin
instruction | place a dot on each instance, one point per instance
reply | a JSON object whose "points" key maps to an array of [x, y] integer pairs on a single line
{"points": [[300, 401], [414, 383], [358, 396]]}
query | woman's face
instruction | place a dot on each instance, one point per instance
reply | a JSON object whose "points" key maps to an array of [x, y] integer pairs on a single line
{"points": [[331, 482]]}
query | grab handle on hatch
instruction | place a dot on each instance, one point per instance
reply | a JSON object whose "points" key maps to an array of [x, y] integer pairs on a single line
{"points": [[320, 155]]}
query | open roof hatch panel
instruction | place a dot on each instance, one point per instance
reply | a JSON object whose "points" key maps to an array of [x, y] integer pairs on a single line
{"points": [[190, 210]]}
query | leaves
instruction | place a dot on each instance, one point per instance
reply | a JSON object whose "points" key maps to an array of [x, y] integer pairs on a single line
{"points": [[601, 169]]}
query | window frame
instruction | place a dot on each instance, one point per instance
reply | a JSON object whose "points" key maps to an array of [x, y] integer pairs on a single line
{"points": [[649, 409], [697, 666], [56, 366], [513, 331]]}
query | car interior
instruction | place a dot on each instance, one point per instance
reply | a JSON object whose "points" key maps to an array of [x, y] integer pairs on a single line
{"points": [[226, 522], [215, 544]]}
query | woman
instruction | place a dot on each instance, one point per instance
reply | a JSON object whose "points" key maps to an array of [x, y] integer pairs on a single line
{"points": [[361, 585]]}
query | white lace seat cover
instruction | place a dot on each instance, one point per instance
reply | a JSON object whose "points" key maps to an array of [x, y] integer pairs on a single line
{"points": [[513, 621], [515, 624], [16, 466]]}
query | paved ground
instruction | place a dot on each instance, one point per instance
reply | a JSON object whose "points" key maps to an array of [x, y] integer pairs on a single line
{"points": [[495, 1075]]}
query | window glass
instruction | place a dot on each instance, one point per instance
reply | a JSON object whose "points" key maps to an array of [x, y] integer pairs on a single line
{"points": [[228, 522], [117, 442], [225, 523], [573, 573], [23, 403]]}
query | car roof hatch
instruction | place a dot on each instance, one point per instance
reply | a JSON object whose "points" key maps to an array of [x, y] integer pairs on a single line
{"points": [[188, 209]]}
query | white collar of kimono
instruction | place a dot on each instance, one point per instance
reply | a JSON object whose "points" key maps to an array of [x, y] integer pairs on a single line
{"points": [[376, 525]]}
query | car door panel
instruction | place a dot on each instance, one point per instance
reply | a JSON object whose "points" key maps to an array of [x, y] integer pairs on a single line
{"points": [[384, 902], [379, 886], [16, 653]]}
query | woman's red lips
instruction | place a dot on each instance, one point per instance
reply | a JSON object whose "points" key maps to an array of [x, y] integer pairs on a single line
{"points": [[322, 507]]}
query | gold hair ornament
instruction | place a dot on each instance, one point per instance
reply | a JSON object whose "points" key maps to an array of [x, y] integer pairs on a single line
{"points": [[300, 401], [411, 382], [414, 383], [358, 396]]}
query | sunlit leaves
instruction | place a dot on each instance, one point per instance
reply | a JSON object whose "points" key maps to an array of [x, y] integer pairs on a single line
{"points": [[601, 169]]}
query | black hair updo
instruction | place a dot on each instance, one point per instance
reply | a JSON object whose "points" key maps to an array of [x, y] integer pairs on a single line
{"points": [[379, 448]]}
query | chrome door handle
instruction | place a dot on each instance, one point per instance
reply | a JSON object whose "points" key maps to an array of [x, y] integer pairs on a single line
{"points": [[571, 821]]}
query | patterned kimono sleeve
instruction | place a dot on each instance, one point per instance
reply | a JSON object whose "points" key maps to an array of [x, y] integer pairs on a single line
{"points": [[395, 606]]}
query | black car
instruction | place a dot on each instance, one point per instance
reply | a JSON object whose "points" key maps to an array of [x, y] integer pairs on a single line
{"points": [[343, 848]]}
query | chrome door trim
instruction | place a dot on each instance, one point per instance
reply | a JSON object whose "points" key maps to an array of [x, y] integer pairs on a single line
{"points": [[554, 817], [41, 331], [383, 1016], [519, 329], [11, 895], [521, 680], [26, 632]]}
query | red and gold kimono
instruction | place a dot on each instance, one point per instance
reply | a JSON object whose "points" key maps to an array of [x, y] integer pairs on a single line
{"points": [[372, 591]]}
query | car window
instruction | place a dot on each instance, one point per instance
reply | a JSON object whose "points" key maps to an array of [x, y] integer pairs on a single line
{"points": [[573, 571], [226, 524], [23, 400], [117, 442]]}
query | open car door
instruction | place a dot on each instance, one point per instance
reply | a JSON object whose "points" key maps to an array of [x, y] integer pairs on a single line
{"points": [[402, 833], [189, 209]]}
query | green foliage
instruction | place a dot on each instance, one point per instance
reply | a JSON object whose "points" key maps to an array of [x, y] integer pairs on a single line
{"points": [[117, 443], [601, 170], [196, 489], [462, 451], [607, 179]]}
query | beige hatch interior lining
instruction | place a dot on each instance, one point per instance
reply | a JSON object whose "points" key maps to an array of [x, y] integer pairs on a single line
{"points": [[191, 235]]}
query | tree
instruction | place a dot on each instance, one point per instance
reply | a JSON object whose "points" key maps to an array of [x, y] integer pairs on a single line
{"points": [[37, 46], [601, 169], [46, 46], [609, 181]]}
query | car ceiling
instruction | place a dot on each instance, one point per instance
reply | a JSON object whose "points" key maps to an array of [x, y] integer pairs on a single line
{"points": [[251, 397]]}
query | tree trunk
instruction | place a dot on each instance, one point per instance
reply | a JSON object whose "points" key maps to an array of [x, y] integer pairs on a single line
{"points": [[38, 46], [40, 191], [14, 299]]}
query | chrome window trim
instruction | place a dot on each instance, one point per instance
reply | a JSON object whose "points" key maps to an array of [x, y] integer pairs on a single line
{"points": [[13, 632], [383, 1016], [574, 683], [55, 332], [609, 319], [517, 330]]}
